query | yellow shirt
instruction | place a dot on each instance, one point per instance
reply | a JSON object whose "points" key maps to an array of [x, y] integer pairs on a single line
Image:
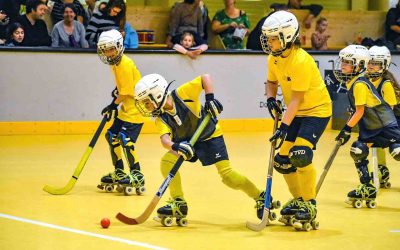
{"points": [[362, 94], [299, 72], [188, 91], [126, 76], [387, 91]]}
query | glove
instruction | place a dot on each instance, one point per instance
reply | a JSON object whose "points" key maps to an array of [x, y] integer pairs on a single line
{"points": [[213, 106], [114, 93], [344, 134], [111, 111], [184, 149], [280, 135], [272, 105]]}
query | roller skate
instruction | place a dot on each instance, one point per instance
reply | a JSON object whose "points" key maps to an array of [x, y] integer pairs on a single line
{"points": [[364, 192], [109, 181], [384, 176], [133, 181], [305, 217], [260, 207], [175, 208], [289, 210]]}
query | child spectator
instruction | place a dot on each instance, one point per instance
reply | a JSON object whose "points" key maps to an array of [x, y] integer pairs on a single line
{"points": [[319, 39], [187, 46], [15, 34]]}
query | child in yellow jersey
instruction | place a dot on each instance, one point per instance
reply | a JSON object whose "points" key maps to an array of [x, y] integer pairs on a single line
{"points": [[177, 116], [384, 82], [308, 112], [375, 119], [128, 122]]}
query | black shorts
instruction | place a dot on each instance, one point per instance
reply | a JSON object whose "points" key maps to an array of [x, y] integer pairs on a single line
{"points": [[309, 128], [384, 138], [211, 151], [131, 130]]}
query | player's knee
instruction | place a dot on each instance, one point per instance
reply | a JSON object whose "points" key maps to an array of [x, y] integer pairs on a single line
{"points": [[111, 138], [394, 150], [282, 164], [359, 151], [126, 141], [301, 156]]}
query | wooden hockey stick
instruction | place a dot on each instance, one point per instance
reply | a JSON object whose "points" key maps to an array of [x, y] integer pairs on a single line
{"points": [[150, 208], [328, 165], [264, 221], [79, 168]]}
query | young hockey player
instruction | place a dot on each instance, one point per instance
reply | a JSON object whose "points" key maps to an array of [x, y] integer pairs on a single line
{"points": [[375, 119], [385, 84], [128, 122], [308, 112], [178, 113]]}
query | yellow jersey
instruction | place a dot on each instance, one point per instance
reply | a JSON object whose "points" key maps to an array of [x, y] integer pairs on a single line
{"points": [[362, 94], [386, 91], [299, 72]]}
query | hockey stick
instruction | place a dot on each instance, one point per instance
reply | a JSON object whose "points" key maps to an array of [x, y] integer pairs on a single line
{"points": [[260, 226], [150, 208], [328, 165]]}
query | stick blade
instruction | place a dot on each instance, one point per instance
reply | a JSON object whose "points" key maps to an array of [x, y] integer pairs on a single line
{"points": [[127, 220], [143, 217], [259, 226], [60, 191]]}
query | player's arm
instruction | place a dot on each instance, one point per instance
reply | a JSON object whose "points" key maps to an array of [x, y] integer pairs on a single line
{"points": [[389, 95], [181, 148], [212, 105], [293, 107], [271, 89], [356, 117], [166, 141]]}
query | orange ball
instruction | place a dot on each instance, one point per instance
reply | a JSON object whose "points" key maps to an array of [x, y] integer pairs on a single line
{"points": [[105, 222]]}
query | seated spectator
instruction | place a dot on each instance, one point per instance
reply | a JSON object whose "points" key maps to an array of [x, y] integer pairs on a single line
{"points": [[253, 41], [314, 9], [185, 17], [131, 40], [57, 13], [90, 7], [15, 34], [9, 11], [392, 27], [188, 46], [319, 39], [231, 24], [69, 33], [35, 28], [112, 16]]}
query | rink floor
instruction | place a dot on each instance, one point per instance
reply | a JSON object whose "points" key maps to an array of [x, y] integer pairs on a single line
{"points": [[33, 219]]}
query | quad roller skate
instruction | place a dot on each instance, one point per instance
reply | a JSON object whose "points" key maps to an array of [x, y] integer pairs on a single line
{"points": [[109, 181], [132, 181], [305, 217], [260, 207], [289, 210], [384, 176], [364, 192], [175, 208]]}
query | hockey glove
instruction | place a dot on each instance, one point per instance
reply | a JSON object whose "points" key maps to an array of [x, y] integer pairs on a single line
{"points": [[344, 135], [272, 105], [213, 106], [111, 111], [184, 149], [280, 135]]}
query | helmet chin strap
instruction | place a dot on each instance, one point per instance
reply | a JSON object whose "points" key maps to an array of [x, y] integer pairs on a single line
{"points": [[160, 107]]}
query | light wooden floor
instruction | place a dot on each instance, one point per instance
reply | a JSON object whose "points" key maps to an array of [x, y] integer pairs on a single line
{"points": [[33, 219]]}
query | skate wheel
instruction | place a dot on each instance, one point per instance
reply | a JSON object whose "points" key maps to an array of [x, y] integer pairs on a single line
{"points": [[276, 204], [120, 189], [297, 225], [371, 204], [109, 188], [128, 191], [291, 221], [307, 227], [166, 221], [272, 216], [182, 222], [357, 203], [140, 190], [387, 185], [315, 225]]}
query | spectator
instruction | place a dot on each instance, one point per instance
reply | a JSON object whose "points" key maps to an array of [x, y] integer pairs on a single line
{"points": [[91, 5], [205, 18], [57, 13], [131, 40], [15, 34], [112, 16], [319, 39], [231, 24], [9, 10], [314, 9], [253, 41], [185, 17], [392, 26], [68, 32], [187, 46], [35, 28]]}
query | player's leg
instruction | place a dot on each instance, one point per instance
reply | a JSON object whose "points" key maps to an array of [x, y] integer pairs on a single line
{"points": [[383, 170]]}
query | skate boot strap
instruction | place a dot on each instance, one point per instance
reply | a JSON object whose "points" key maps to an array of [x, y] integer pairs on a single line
{"points": [[365, 190], [175, 205]]}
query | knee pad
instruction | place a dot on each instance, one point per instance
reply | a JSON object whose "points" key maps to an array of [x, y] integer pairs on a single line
{"points": [[301, 156], [282, 164], [126, 141], [359, 151], [111, 138], [394, 150]]}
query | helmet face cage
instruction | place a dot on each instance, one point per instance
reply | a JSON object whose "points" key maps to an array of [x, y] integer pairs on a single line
{"points": [[267, 49], [345, 77], [108, 42], [379, 55]]}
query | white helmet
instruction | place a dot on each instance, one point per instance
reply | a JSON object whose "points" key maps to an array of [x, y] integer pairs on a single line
{"points": [[357, 55], [281, 24], [380, 54], [151, 94], [108, 40]]}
